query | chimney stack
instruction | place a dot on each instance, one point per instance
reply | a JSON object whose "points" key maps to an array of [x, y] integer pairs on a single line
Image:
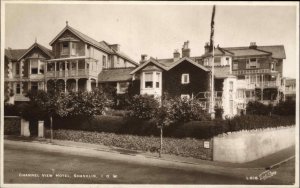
{"points": [[185, 49], [115, 47], [143, 58], [206, 47], [176, 55], [253, 45]]}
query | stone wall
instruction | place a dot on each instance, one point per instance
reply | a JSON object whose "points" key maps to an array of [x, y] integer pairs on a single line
{"points": [[244, 146]]}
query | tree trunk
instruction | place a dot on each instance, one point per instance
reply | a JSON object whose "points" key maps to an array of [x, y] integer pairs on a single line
{"points": [[161, 141], [51, 129]]}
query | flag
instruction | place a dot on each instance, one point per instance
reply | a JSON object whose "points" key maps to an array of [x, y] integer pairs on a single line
{"points": [[212, 25]]}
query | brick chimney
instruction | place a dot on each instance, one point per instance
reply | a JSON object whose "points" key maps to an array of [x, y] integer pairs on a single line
{"points": [[206, 47], [115, 47], [253, 45], [185, 49], [143, 58], [176, 55]]}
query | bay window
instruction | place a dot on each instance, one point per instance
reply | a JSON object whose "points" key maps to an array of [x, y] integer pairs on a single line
{"points": [[157, 79], [148, 80], [34, 65]]}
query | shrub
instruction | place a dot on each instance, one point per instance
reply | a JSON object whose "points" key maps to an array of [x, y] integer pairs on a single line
{"points": [[11, 110], [143, 107], [12, 126], [258, 108], [183, 147], [285, 108]]}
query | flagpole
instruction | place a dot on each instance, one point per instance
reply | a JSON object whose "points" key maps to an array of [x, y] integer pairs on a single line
{"points": [[212, 106]]}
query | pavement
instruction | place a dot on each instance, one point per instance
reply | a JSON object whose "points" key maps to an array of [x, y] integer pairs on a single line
{"points": [[248, 168]]}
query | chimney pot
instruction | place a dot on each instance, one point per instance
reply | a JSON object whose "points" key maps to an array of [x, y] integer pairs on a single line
{"points": [[253, 45], [143, 58]]}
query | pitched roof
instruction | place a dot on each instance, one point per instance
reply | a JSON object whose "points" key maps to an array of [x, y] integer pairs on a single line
{"points": [[102, 45], [277, 51], [167, 64], [47, 51], [115, 75], [14, 54], [218, 52]]}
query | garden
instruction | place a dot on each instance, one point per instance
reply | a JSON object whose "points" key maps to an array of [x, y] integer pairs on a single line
{"points": [[143, 123]]}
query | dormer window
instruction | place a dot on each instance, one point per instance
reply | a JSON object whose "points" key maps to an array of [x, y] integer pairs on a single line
{"points": [[185, 78]]}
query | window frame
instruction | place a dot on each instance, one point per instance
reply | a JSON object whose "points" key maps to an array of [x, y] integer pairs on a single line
{"points": [[145, 82], [67, 51], [187, 75]]}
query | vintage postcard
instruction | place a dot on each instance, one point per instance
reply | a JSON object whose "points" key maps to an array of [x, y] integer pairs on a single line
{"points": [[163, 94]]}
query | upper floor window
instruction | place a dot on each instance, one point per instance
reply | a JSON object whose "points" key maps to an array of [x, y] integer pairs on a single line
{"points": [[235, 65], [149, 80], [185, 78], [227, 60], [17, 68], [34, 64], [273, 65], [104, 61], [157, 79], [73, 48], [252, 63], [65, 48], [206, 62], [231, 86]]}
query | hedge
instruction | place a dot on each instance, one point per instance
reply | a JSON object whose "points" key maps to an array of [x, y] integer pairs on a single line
{"points": [[193, 129], [182, 147], [12, 126]]}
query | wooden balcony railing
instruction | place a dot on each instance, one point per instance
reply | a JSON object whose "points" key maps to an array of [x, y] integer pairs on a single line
{"points": [[252, 71], [71, 73]]}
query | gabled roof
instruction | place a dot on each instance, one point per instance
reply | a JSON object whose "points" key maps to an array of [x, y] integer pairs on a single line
{"points": [[115, 75], [151, 60], [102, 45], [14, 54], [167, 64], [47, 51], [84, 38]]}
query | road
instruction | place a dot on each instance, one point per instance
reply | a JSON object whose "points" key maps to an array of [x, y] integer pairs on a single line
{"points": [[32, 164]]}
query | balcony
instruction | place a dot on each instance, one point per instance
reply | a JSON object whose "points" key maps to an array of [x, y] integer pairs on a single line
{"points": [[252, 71], [71, 73]]}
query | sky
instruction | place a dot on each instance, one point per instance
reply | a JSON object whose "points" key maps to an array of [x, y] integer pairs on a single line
{"points": [[157, 29]]}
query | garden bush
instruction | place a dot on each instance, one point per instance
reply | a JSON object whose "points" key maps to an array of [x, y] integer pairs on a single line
{"points": [[258, 108], [11, 110], [182, 147], [12, 126], [285, 108]]}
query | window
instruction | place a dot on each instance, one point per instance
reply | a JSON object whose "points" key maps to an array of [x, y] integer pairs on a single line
{"points": [[65, 48], [157, 79], [104, 61], [217, 61], [235, 65], [18, 89], [273, 66], [42, 65], [17, 68], [252, 63], [227, 60], [185, 78], [34, 64], [34, 86], [73, 49], [148, 80], [206, 62], [185, 96], [230, 86], [240, 93]]}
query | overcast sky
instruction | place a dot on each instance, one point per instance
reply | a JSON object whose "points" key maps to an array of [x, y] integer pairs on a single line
{"points": [[158, 29]]}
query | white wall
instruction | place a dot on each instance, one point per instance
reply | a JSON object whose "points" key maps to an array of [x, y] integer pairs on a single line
{"points": [[228, 96], [244, 146]]}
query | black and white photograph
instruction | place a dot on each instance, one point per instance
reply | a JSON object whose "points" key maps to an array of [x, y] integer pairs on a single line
{"points": [[149, 93]]}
